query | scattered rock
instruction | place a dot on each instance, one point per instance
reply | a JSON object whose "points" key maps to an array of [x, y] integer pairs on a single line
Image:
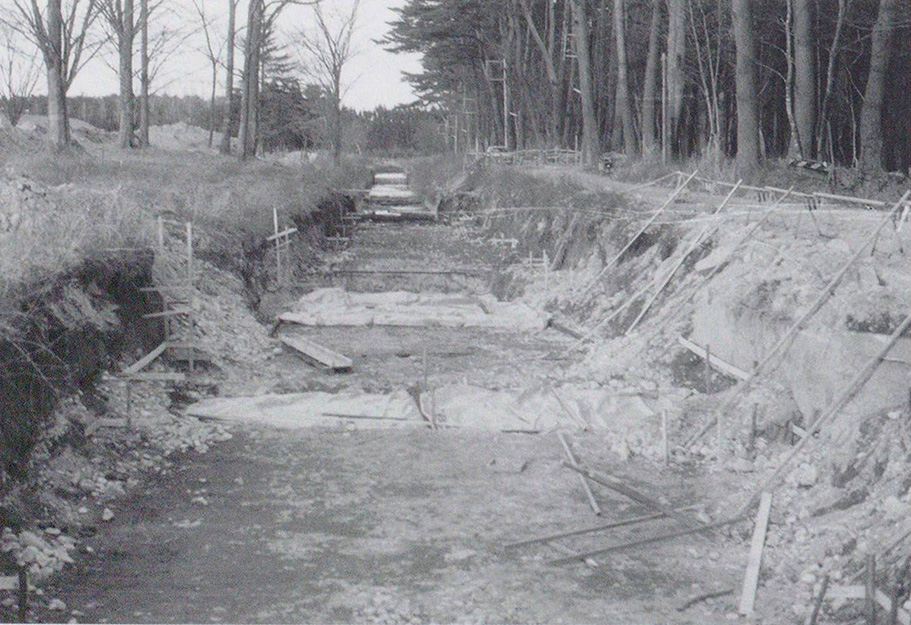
{"points": [[806, 475], [107, 515]]}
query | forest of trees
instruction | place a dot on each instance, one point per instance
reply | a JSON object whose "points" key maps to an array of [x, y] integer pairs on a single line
{"points": [[758, 79]]}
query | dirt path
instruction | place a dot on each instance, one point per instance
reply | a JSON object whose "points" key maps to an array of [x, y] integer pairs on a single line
{"points": [[403, 526]]}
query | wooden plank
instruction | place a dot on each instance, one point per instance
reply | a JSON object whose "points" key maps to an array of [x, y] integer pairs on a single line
{"points": [[315, 352], [783, 344], [97, 424], [850, 200], [715, 361], [155, 376], [146, 360], [564, 329], [283, 233], [751, 581], [584, 480], [168, 313], [404, 272], [361, 417]]}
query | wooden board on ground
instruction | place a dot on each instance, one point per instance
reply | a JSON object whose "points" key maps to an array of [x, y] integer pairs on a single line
{"points": [[97, 424], [751, 581], [154, 376], [716, 362], [146, 360], [322, 356]]}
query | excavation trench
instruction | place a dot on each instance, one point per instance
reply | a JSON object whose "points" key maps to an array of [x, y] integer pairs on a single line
{"points": [[338, 522]]}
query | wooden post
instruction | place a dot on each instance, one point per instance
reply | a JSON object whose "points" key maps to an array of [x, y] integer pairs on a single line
{"points": [[894, 608], [582, 479], [665, 451], [190, 254], [870, 590], [751, 581], [817, 605], [664, 125], [278, 248], [160, 224], [23, 594], [751, 445]]}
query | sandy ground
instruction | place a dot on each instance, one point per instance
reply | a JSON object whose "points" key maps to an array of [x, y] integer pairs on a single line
{"points": [[404, 526]]}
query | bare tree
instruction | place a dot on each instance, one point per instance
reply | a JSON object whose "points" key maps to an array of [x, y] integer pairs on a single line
{"points": [[676, 63], [871, 115], [60, 30], [651, 78], [144, 80], [591, 145], [624, 104], [805, 76], [229, 77], [19, 73], [747, 92], [119, 16], [213, 52], [328, 49], [261, 16]]}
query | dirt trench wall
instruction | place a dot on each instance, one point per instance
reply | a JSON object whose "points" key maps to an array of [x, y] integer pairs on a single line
{"points": [[742, 317], [61, 338]]}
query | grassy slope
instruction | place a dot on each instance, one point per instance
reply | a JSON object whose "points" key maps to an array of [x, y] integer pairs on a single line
{"points": [[96, 200]]}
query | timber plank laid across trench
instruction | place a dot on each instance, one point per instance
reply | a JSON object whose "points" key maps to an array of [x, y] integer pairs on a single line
{"points": [[317, 353]]}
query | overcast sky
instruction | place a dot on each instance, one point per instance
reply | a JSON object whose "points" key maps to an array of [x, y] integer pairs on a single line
{"points": [[374, 75]]}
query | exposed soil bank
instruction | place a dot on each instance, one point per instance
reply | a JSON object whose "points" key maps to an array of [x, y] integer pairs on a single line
{"points": [[60, 338]]}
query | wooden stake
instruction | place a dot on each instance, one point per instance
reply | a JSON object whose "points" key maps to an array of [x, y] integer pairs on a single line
{"points": [[23, 594], [160, 223], [278, 250], [870, 590], [665, 450], [582, 479], [751, 581], [817, 605]]}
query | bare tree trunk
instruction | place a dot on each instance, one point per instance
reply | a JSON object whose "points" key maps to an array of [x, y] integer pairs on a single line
{"points": [[546, 50], [591, 148], [834, 50], [337, 123], [212, 109], [250, 90], [794, 145], [747, 93], [57, 117], [805, 76], [871, 115], [144, 75], [651, 78], [623, 100], [676, 62], [229, 79], [127, 27]]}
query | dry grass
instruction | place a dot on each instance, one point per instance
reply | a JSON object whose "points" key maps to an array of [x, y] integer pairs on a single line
{"points": [[88, 203]]}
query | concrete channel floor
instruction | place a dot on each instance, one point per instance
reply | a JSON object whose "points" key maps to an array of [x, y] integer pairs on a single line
{"points": [[404, 526]]}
